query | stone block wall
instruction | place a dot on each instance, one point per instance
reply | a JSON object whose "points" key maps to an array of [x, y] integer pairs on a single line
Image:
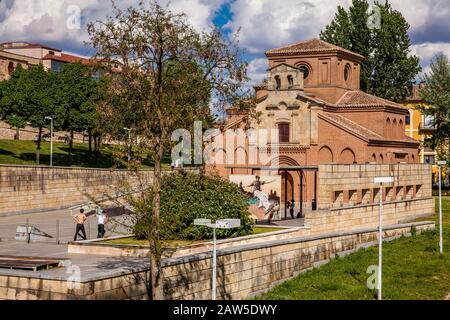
{"points": [[242, 271], [348, 199], [26, 189], [133, 286], [30, 133], [349, 185], [249, 270]]}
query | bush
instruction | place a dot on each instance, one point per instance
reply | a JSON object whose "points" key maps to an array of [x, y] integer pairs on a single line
{"points": [[188, 196]]}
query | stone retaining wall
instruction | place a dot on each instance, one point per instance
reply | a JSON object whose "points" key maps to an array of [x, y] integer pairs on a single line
{"points": [[348, 198], [243, 271], [248, 270], [25, 189], [133, 286]]}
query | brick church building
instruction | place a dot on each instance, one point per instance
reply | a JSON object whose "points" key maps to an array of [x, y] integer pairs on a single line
{"points": [[312, 97]]}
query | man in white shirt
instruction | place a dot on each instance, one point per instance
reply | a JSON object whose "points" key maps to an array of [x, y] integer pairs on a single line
{"points": [[101, 220]]}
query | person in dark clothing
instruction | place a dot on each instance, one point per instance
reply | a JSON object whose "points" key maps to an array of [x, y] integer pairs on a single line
{"points": [[101, 220], [292, 208], [80, 219]]}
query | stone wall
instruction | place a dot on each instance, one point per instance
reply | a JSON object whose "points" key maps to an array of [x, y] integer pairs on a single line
{"points": [[133, 286], [249, 270], [25, 189], [29, 133], [348, 199], [243, 271]]}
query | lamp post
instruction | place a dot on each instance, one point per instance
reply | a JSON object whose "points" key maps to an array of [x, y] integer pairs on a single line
{"points": [[441, 245], [129, 143], [51, 118], [219, 224], [380, 180]]}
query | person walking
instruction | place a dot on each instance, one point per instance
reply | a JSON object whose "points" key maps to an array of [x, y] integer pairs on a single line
{"points": [[80, 218], [101, 220]]}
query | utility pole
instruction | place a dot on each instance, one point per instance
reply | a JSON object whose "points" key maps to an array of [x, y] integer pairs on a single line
{"points": [[129, 143], [51, 138], [381, 180], [441, 245]]}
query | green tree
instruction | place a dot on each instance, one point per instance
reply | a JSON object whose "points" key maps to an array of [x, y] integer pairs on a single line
{"points": [[29, 96], [188, 196], [388, 69], [77, 90], [9, 110], [436, 92], [163, 74]]}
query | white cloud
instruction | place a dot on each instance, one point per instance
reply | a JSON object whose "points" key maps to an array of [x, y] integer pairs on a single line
{"points": [[257, 70], [267, 24], [428, 50], [46, 20]]}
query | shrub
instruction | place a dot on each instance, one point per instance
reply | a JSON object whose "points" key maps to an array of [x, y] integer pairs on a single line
{"points": [[188, 196]]}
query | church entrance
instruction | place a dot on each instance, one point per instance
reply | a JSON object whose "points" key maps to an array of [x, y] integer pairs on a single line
{"points": [[287, 192]]}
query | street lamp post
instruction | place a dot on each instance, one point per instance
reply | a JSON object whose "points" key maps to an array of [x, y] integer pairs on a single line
{"points": [[441, 245], [129, 143], [380, 180], [51, 138], [219, 224]]}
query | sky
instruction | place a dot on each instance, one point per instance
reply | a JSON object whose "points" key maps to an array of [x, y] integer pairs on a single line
{"points": [[263, 24]]}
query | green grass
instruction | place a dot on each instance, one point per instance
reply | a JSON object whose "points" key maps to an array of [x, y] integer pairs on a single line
{"points": [[412, 269], [24, 153], [178, 243]]}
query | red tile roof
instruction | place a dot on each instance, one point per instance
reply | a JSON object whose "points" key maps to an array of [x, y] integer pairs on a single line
{"points": [[351, 126], [310, 46], [361, 99], [67, 58]]}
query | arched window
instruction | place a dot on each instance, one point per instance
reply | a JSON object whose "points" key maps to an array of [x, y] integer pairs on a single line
{"points": [[283, 132], [394, 128], [374, 158], [305, 69], [347, 72], [290, 82], [347, 156], [388, 128], [10, 68], [381, 158], [277, 82], [325, 155]]}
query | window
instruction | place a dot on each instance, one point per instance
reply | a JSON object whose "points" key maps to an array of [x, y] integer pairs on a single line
{"points": [[10, 68], [290, 82], [347, 72], [304, 68], [278, 82], [429, 159], [408, 120], [52, 53], [283, 132]]}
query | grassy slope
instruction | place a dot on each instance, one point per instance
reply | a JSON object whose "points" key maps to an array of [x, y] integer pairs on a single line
{"points": [[24, 153], [412, 269]]}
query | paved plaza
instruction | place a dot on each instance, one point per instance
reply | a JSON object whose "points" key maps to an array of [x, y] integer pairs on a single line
{"points": [[48, 221]]}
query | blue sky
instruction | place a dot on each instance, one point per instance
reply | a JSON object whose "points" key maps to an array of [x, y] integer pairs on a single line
{"points": [[263, 24]]}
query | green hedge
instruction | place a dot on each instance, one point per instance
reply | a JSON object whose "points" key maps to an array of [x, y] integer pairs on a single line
{"points": [[187, 196]]}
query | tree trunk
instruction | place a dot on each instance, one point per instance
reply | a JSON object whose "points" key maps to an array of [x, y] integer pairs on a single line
{"points": [[17, 137], [38, 146], [90, 142], [155, 246], [97, 147], [69, 155]]}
